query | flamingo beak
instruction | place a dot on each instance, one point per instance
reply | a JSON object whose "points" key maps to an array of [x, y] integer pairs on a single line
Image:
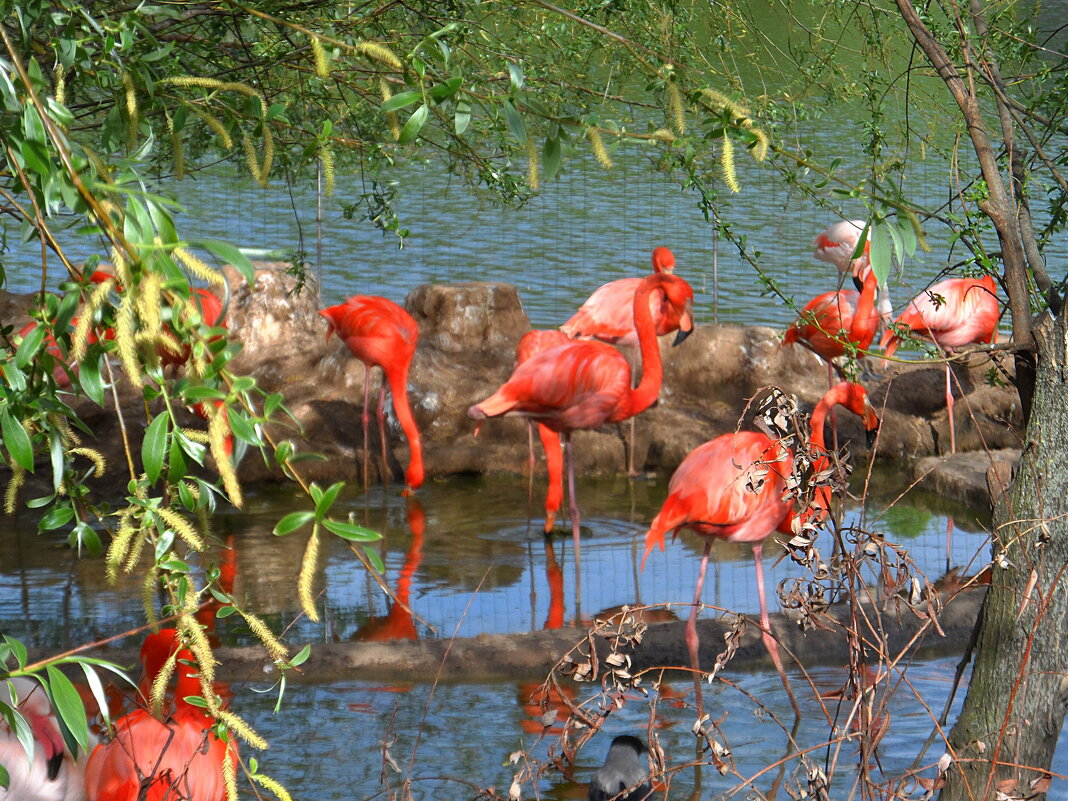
{"points": [[871, 427], [685, 324]]}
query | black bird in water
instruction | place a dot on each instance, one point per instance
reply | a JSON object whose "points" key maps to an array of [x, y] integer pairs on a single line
{"points": [[626, 766]]}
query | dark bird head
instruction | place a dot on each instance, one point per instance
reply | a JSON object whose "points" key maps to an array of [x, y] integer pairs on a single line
{"points": [[625, 768]]}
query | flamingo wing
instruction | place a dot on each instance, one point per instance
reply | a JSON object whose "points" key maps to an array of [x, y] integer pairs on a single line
{"points": [[952, 313], [825, 318], [376, 330]]}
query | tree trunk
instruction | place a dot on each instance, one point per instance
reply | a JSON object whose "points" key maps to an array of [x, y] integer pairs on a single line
{"points": [[1012, 717]]}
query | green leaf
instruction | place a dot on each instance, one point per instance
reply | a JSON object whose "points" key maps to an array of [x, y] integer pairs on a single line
{"points": [[69, 707], [462, 118], [97, 687], [301, 657], [16, 440], [445, 90], [323, 504], [908, 235], [515, 75], [56, 517], [17, 650], [291, 522], [376, 561], [89, 376], [242, 428], [515, 122], [29, 346], [154, 446], [401, 100], [230, 254], [880, 251], [550, 157], [352, 532], [5, 779], [414, 125]]}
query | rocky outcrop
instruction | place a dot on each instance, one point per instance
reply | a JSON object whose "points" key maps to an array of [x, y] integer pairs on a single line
{"points": [[468, 334]]}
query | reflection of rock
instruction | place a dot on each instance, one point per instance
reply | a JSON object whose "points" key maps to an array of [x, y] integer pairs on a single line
{"points": [[468, 333]]}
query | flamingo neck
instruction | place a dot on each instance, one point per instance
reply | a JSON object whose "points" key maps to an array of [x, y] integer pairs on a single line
{"points": [[398, 386], [643, 395], [865, 322], [834, 397]]}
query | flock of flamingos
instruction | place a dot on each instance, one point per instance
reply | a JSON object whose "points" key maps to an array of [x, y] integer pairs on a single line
{"points": [[564, 380]]}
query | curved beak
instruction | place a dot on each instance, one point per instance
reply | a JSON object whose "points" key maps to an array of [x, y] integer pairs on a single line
{"points": [[685, 324], [871, 427]]}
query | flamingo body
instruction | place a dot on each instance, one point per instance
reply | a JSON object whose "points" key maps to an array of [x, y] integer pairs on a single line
{"points": [[952, 313], [838, 242], [53, 774], [830, 320], [380, 333]]}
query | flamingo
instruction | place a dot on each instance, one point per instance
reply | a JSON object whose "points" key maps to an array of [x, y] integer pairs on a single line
{"points": [[531, 343], [836, 245], [380, 333], [625, 773], [179, 759], [952, 313], [398, 623], [608, 316], [732, 488], [583, 384], [53, 774]]}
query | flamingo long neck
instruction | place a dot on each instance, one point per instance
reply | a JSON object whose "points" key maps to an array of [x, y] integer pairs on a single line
{"points": [[398, 386], [643, 395], [865, 322], [834, 397]]}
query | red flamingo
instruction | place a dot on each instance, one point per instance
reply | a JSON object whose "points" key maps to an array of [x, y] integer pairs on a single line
{"points": [[53, 774], [162, 760], [584, 384], [398, 623], [531, 343], [732, 488], [608, 316], [952, 313], [380, 333]]}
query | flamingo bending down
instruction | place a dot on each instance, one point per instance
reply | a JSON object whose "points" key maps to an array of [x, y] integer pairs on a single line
{"points": [[380, 333], [583, 385], [836, 245], [952, 313], [732, 488], [608, 316], [53, 774], [530, 343], [162, 760]]}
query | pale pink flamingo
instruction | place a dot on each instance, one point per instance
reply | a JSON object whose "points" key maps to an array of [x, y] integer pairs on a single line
{"points": [[732, 488], [952, 313], [608, 316], [380, 333], [583, 385], [836, 245]]}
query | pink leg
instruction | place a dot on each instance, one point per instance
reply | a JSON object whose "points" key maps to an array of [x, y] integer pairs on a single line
{"points": [[574, 525], [530, 444], [634, 360], [949, 543], [382, 428], [366, 423], [831, 376], [692, 641], [949, 411], [765, 625]]}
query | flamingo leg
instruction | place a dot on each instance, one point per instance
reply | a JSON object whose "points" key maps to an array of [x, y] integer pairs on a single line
{"points": [[382, 427], [692, 641], [949, 542], [949, 411], [575, 523], [366, 424], [832, 375], [765, 625], [633, 361]]}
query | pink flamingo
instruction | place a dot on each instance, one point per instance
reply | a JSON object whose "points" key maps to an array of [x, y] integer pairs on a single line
{"points": [[608, 316], [732, 488], [53, 774], [531, 343], [380, 333], [158, 760], [583, 385], [836, 245], [952, 313]]}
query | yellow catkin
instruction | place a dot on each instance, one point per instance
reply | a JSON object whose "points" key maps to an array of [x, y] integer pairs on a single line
{"points": [[378, 52], [268, 155], [198, 267], [149, 298], [193, 634], [218, 434], [133, 556], [241, 729], [94, 456], [326, 159], [125, 344], [177, 148], [216, 125], [11, 494], [59, 83], [252, 163], [308, 567], [600, 152], [118, 257], [322, 68], [760, 149], [664, 135], [272, 786], [196, 435], [182, 527], [230, 775], [158, 691], [120, 544], [148, 595], [93, 302], [676, 109], [66, 433], [131, 111], [266, 636], [532, 164], [730, 177], [391, 117]]}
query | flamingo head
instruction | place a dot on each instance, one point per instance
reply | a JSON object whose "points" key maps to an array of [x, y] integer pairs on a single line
{"points": [[663, 260], [837, 245], [855, 398], [333, 316], [679, 296]]}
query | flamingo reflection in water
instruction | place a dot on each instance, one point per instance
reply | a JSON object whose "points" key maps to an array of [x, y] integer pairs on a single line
{"points": [[398, 622]]}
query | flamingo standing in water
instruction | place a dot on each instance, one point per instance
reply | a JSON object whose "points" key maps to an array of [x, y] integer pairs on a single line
{"points": [[162, 760], [380, 333], [952, 313], [608, 316], [583, 385], [732, 488], [53, 774]]}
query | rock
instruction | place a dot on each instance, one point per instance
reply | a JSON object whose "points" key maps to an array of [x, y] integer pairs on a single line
{"points": [[963, 476]]}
